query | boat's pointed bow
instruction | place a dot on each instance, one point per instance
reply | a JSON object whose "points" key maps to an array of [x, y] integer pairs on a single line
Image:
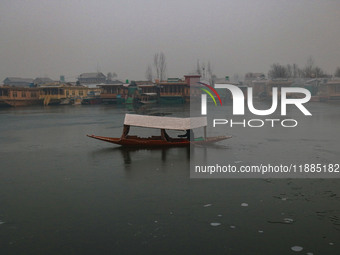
{"points": [[105, 139]]}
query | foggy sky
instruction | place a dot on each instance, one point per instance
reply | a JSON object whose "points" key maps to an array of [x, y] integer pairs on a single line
{"points": [[52, 38]]}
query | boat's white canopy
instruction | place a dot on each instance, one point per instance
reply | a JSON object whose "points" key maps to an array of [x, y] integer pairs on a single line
{"points": [[164, 122]]}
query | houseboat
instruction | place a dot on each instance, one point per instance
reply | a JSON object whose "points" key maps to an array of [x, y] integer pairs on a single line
{"points": [[329, 91], [46, 95], [113, 93], [19, 96], [64, 94], [174, 90], [93, 97]]}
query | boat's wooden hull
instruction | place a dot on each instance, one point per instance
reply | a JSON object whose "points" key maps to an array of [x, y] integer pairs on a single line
{"points": [[156, 141]]}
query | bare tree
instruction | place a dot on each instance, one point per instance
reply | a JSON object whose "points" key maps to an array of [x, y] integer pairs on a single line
{"points": [[236, 77], [337, 72], [160, 65], [203, 71], [148, 73], [308, 70], [198, 68], [295, 70], [156, 64], [206, 72], [289, 70], [318, 72], [311, 70], [211, 76], [277, 71], [109, 76]]}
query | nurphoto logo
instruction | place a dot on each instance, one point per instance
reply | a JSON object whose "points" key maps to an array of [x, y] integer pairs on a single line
{"points": [[239, 99]]}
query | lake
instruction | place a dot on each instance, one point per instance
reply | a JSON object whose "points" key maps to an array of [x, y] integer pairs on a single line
{"points": [[64, 193]]}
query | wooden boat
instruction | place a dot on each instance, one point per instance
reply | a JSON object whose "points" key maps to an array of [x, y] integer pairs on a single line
{"points": [[149, 98], [162, 123]]}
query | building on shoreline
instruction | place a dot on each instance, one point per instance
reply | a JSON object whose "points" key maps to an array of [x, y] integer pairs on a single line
{"points": [[329, 91], [92, 78], [45, 91], [18, 82], [45, 95], [321, 89], [40, 81], [115, 92], [172, 91], [19, 96], [175, 90]]}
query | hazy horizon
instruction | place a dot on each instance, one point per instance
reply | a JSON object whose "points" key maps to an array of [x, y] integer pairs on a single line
{"points": [[53, 38]]}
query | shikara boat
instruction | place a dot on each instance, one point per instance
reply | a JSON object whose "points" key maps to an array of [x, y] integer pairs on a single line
{"points": [[162, 123], [148, 98]]}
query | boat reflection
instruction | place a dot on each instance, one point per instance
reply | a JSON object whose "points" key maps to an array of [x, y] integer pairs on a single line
{"points": [[130, 153]]}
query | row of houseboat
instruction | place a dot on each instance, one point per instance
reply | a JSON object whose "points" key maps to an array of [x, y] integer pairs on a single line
{"points": [[172, 91]]}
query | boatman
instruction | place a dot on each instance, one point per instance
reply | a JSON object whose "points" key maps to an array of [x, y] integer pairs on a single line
{"points": [[125, 131], [189, 134], [164, 135]]}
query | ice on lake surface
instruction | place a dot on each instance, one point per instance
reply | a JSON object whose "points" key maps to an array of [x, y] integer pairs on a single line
{"points": [[288, 220], [297, 248], [215, 224]]}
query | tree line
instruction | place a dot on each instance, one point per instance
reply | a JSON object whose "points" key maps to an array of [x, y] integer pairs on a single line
{"points": [[310, 70]]}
